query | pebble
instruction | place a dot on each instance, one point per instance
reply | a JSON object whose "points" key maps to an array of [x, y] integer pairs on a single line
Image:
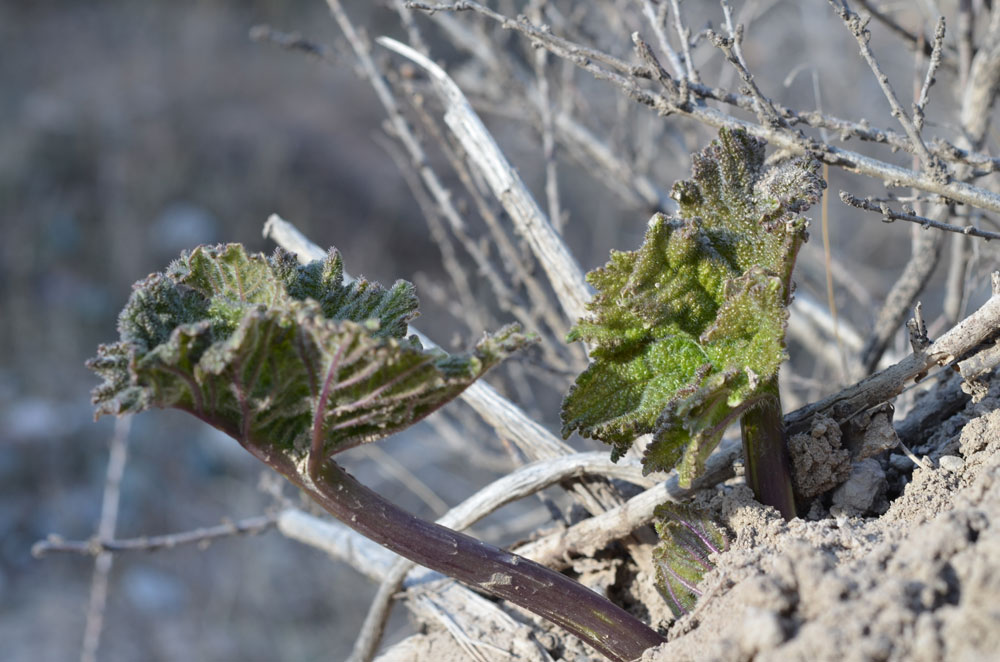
{"points": [[862, 490], [951, 463]]}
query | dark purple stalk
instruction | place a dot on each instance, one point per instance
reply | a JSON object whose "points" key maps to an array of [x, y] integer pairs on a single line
{"points": [[608, 628], [765, 453]]}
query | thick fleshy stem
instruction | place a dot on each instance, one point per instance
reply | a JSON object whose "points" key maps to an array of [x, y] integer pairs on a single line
{"points": [[608, 628], [765, 453]]}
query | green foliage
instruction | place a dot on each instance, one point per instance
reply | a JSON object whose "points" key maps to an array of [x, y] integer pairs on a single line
{"points": [[687, 539], [684, 331], [281, 355]]}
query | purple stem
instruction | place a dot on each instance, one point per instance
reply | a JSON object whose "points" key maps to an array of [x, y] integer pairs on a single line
{"points": [[608, 628], [765, 453]]}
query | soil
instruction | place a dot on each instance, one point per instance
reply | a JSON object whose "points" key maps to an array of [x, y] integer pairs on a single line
{"points": [[918, 582]]}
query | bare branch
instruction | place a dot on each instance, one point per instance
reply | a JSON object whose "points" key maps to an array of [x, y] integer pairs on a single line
{"points": [[859, 29], [913, 41], [418, 157], [881, 387], [595, 533], [888, 216], [932, 67], [684, 34], [531, 223], [655, 19], [926, 251], [629, 79], [548, 139], [983, 83], [965, 48], [201, 536], [766, 114], [117, 454]]}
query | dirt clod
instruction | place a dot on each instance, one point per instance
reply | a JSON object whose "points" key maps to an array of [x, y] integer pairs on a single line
{"points": [[818, 462]]}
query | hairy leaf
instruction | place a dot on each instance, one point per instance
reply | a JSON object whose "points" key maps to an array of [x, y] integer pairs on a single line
{"points": [[687, 539], [684, 330], [279, 354]]}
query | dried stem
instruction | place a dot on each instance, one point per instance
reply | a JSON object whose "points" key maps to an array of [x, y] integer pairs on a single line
{"points": [[117, 454], [889, 215], [684, 34], [918, 42], [594, 534], [859, 29], [629, 79], [656, 21], [531, 223], [883, 386], [932, 67], [200, 536], [766, 113]]}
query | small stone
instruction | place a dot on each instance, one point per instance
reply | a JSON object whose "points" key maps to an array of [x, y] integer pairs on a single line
{"points": [[864, 489], [951, 463]]}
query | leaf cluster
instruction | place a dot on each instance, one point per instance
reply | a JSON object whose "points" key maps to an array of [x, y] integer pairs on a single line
{"points": [[280, 355], [685, 331]]}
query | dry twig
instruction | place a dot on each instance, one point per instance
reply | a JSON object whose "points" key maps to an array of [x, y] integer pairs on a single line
{"points": [[630, 80], [117, 454], [200, 536], [889, 215], [559, 264]]}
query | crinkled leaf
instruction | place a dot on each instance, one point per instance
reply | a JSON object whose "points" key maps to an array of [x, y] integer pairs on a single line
{"points": [[687, 540], [279, 354], [684, 330]]}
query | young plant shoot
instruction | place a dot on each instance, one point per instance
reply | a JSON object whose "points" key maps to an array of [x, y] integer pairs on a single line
{"points": [[686, 337], [687, 333], [296, 366]]}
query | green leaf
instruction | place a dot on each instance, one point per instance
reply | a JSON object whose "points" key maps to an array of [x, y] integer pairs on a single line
{"points": [[687, 540], [684, 330], [281, 355]]}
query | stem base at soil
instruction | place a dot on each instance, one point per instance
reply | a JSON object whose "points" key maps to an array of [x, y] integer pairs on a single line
{"points": [[765, 453]]}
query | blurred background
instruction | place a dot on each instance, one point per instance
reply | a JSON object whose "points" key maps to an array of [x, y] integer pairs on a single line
{"points": [[130, 131]]}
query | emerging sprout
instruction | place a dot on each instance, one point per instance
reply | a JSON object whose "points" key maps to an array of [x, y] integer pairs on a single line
{"points": [[686, 334]]}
